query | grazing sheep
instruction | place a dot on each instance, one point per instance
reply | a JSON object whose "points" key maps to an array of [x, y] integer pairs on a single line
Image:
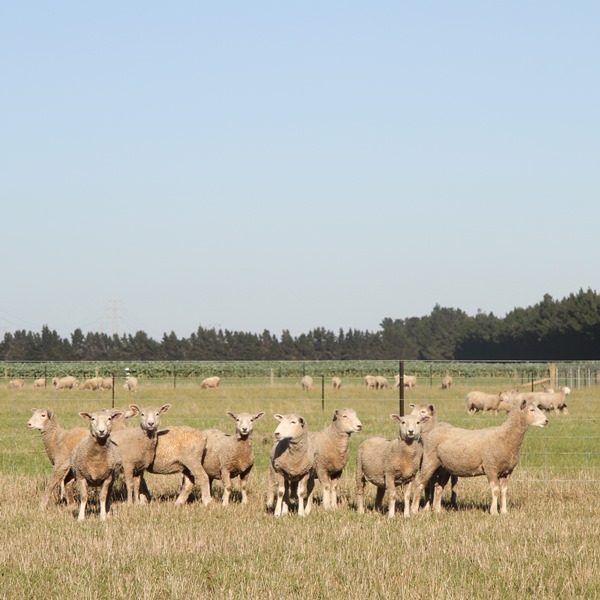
{"points": [[370, 382], [482, 401], [388, 463], [381, 383], [96, 460], [548, 401], [336, 383], [228, 456], [292, 458], [131, 384], [446, 382], [410, 381], [331, 452], [307, 383], [210, 383], [40, 382], [16, 383], [59, 444], [65, 383], [107, 383], [180, 450], [137, 446], [492, 451], [95, 383]]}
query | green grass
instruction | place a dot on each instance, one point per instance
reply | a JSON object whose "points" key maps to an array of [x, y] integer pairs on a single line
{"points": [[546, 547]]}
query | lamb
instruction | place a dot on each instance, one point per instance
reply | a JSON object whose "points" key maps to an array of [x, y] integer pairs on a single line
{"points": [[16, 383], [65, 383], [306, 383], [491, 451], [388, 463], [292, 458], [482, 401], [131, 384], [446, 382], [548, 401], [370, 382], [180, 450], [40, 382], [96, 460], [210, 383], [381, 382], [137, 447], [336, 383], [59, 444], [227, 456], [410, 381], [331, 452]]}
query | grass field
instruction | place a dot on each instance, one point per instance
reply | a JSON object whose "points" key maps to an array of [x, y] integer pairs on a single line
{"points": [[546, 547]]}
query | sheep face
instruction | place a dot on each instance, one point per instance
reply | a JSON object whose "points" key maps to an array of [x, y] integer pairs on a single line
{"points": [[535, 417], [149, 417], [40, 417], [347, 419], [410, 426], [244, 422], [101, 422], [290, 426]]}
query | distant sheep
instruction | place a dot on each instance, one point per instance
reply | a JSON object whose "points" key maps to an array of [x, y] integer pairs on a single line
{"points": [[292, 459], [388, 463], [210, 383], [40, 382], [548, 401], [331, 452], [16, 383], [336, 383], [307, 383], [65, 383], [131, 384], [446, 382], [96, 460], [491, 451], [482, 401], [381, 383], [107, 383], [564, 390], [229, 456], [95, 383], [410, 381], [370, 382]]}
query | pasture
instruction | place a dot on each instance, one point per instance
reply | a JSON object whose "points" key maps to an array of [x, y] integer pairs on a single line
{"points": [[546, 547]]}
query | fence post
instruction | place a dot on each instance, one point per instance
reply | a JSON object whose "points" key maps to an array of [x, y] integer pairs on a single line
{"points": [[174, 376], [113, 391], [401, 388], [323, 392]]}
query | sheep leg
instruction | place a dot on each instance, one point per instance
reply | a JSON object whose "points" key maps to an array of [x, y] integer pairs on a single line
{"points": [[58, 475], [453, 493], [302, 493], [503, 494], [428, 468], [244, 484], [360, 492], [390, 486], [226, 480], [407, 491], [83, 498], [128, 474], [440, 482], [281, 490], [379, 498], [310, 487], [333, 500], [144, 492], [197, 475], [325, 487], [105, 491], [495, 489]]}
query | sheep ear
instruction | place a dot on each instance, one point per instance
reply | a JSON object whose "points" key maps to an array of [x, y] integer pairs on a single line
{"points": [[336, 413], [231, 415], [259, 415], [164, 408], [278, 417], [523, 404], [395, 417], [432, 409], [302, 421], [86, 416], [33, 410], [115, 413], [412, 405], [135, 409]]}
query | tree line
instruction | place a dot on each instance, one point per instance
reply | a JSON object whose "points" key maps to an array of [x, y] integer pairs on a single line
{"points": [[567, 329]]}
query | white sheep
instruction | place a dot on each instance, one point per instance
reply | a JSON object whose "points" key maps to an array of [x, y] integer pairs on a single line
{"points": [[210, 383], [410, 381], [292, 459], [306, 382], [388, 463], [370, 382], [482, 401], [548, 401], [95, 383], [381, 383], [229, 456], [446, 382], [96, 460], [331, 452], [564, 390], [491, 451], [131, 383], [137, 446], [180, 450], [40, 382], [107, 383], [59, 444], [16, 383], [65, 383], [336, 383]]}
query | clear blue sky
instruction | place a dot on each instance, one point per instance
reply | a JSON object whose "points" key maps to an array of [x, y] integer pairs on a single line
{"points": [[292, 165]]}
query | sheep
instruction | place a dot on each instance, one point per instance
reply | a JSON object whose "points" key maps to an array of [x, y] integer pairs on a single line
{"points": [[59, 444], [292, 458], [307, 383], [381, 382], [564, 390], [410, 381], [137, 446], [107, 383], [446, 382], [227, 456], [96, 460], [388, 463], [210, 383], [548, 401], [40, 382], [180, 450], [482, 401], [95, 383], [491, 451], [331, 452], [131, 384], [370, 382], [16, 383], [65, 383], [336, 383]]}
